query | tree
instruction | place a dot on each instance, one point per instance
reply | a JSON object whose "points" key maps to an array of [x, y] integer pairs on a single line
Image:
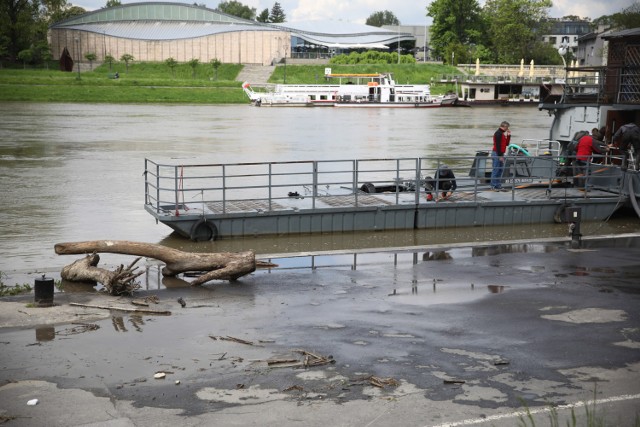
{"points": [[514, 26], [25, 56], [378, 19], [215, 63], [277, 14], [91, 57], [263, 16], [70, 12], [112, 3], [126, 58], [193, 63], [628, 18], [235, 8], [457, 27], [171, 63], [52, 10], [18, 19], [109, 59], [45, 54]]}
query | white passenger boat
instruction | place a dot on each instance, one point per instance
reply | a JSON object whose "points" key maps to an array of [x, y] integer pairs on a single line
{"points": [[352, 90]]}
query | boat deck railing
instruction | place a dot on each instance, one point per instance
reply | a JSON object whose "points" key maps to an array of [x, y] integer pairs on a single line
{"points": [[202, 189]]}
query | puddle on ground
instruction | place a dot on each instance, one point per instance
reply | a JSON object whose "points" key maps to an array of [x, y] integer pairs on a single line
{"points": [[153, 279], [431, 293]]}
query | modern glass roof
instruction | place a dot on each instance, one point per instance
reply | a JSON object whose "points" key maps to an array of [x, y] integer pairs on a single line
{"points": [[172, 21], [153, 12]]}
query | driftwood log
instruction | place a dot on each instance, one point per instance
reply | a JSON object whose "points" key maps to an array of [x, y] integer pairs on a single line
{"points": [[118, 282], [217, 266]]}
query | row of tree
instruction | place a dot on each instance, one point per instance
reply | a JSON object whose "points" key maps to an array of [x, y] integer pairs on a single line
{"points": [[502, 31], [232, 7]]}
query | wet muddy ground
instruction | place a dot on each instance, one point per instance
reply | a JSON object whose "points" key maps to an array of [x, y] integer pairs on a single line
{"points": [[450, 335]]}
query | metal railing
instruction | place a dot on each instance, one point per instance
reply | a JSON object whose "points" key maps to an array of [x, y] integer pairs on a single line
{"points": [[172, 189]]}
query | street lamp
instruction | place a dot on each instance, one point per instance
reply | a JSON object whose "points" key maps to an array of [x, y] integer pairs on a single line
{"points": [[563, 51], [424, 58], [285, 64]]}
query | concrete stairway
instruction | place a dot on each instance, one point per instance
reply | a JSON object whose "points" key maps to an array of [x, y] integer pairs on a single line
{"points": [[256, 75]]}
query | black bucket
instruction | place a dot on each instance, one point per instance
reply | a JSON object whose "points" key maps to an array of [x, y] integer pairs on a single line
{"points": [[44, 292]]}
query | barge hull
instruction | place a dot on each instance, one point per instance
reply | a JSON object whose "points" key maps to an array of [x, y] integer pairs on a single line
{"points": [[448, 214]]}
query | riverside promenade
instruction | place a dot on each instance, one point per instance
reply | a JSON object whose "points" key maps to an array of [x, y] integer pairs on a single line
{"points": [[454, 335]]}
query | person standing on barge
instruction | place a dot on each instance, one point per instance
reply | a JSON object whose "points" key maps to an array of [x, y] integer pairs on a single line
{"points": [[501, 139], [589, 146], [626, 138]]}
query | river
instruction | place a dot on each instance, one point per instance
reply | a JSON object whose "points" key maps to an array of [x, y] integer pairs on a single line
{"points": [[73, 172]]}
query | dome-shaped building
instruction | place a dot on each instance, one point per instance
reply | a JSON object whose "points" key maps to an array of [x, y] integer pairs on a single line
{"points": [[156, 31]]}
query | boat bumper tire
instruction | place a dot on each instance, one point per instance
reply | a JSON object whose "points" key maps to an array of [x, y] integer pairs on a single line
{"points": [[203, 231]]}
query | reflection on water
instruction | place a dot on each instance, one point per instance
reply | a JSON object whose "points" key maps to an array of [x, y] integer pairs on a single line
{"points": [[134, 320], [72, 172], [395, 260], [45, 333]]}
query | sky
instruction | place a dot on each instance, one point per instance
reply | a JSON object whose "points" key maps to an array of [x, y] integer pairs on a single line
{"points": [[409, 12]]}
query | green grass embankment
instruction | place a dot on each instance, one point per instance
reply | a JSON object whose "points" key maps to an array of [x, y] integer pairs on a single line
{"points": [[157, 83]]}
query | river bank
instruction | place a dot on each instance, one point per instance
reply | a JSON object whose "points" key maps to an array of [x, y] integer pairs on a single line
{"points": [[156, 83], [484, 335]]}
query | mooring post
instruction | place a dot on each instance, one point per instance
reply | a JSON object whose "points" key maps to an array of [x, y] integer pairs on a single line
{"points": [[43, 292], [573, 215]]}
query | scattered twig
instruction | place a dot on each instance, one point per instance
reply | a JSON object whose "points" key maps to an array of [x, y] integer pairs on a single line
{"points": [[382, 382], [454, 381], [377, 381], [311, 359], [140, 302], [152, 299], [284, 363], [130, 310], [228, 338]]}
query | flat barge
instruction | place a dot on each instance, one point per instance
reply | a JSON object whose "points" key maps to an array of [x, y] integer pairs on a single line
{"points": [[211, 201]]}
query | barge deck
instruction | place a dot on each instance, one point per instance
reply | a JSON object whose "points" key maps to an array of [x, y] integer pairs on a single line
{"points": [[210, 201]]}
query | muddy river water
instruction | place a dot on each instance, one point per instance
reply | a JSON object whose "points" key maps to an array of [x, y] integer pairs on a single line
{"points": [[73, 172]]}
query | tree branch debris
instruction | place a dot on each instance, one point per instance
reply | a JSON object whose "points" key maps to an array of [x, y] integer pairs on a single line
{"points": [[209, 266]]}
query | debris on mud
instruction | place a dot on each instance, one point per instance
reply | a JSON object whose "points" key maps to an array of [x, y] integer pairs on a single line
{"points": [[131, 310], [228, 338], [454, 381], [376, 381], [309, 359]]}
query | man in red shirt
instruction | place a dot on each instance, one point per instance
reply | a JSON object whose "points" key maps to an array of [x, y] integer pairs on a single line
{"points": [[584, 154], [501, 139]]}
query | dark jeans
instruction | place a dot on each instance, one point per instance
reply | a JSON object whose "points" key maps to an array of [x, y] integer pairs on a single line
{"points": [[497, 171], [581, 173]]}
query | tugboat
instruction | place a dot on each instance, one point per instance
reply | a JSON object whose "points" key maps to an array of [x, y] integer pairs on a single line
{"points": [[603, 98]]}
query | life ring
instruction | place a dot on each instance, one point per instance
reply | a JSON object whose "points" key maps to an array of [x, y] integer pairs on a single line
{"points": [[368, 187], [558, 216], [203, 231]]}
